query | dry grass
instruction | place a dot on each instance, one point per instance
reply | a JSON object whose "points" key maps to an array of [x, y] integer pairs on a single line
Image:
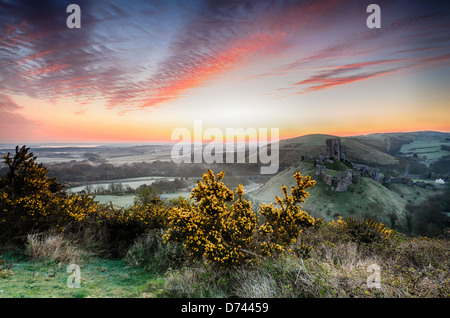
{"points": [[194, 283], [255, 285], [410, 268], [53, 248]]}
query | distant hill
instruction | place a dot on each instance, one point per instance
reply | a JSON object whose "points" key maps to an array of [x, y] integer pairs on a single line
{"points": [[292, 150], [373, 149]]}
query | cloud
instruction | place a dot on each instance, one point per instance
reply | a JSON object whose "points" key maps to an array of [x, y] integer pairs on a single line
{"points": [[336, 77], [349, 73], [140, 54], [224, 35], [13, 126], [7, 104], [400, 45]]}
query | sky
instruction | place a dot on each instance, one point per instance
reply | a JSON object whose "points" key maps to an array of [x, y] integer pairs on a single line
{"points": [[137, 70]]}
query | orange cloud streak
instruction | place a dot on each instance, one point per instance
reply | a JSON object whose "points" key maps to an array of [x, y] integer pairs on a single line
{"points": [[240, 50]]}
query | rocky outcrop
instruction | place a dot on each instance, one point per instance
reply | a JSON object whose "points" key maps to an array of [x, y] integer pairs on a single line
{"points": [[375, 175], [327, 179]]}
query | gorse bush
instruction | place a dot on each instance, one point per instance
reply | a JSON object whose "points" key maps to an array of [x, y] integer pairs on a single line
{"points": [[210, 228], [364, 231], [31, 201], [226, 234], [121, 226], [284, 225]]}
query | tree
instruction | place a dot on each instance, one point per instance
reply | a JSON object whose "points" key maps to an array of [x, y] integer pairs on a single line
{"points": [[147, 195]]}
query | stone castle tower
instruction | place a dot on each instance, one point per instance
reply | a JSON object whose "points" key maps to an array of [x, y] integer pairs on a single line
{"points": [[334, 149]]}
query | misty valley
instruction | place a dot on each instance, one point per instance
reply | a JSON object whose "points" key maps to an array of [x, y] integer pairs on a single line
{"points": [[397, 171]]}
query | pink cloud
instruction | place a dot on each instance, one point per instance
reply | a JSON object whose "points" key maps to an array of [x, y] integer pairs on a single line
{"points": [[13, 126], [349, 73]]}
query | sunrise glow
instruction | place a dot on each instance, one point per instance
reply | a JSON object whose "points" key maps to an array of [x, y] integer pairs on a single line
{"points": [[136, 71]]}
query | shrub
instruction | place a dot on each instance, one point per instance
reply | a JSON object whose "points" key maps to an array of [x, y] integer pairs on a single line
{"points": [[284, 225], [227, 235], [27, 196], [147, 195], [363, 231], [53, 248], [421, 252], [211, 229], [5, 267], [32, 202], [148, 251], [123, 225], [195, 283]]}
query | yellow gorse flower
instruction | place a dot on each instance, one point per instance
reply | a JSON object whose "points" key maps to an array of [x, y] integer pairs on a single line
{"points": [[228, 235], [284, 225]]}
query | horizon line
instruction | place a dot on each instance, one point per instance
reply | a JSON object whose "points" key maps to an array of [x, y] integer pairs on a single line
{"points": [[118, 142]]}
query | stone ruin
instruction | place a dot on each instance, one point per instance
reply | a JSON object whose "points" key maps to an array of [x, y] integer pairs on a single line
{"points": [[338, 183], [334, 150]]}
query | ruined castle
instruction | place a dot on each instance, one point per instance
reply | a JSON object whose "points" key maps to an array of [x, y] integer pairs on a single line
{"points": [[334, 150]]}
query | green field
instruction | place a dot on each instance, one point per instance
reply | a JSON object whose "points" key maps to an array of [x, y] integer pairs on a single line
{"points": [[131, 182], [426, 146]]}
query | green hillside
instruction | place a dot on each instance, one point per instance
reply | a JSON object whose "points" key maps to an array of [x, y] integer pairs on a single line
{"points": [[364, 199], [386, 142]]}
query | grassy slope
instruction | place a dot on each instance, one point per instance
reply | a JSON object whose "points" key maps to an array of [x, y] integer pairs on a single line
{"points": [[366, 198], [390, 142], [359, 152]]}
